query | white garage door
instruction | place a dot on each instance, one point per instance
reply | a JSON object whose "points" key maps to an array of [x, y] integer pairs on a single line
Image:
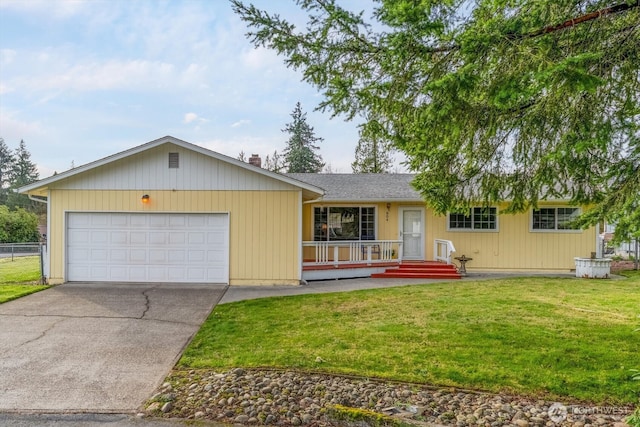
{"points": [[147, 247]]}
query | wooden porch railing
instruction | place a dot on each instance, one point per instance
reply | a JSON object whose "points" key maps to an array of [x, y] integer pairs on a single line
{"points": [[352, 252], [442, 250]]}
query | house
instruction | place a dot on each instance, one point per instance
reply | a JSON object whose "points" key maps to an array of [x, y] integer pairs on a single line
{"points": [[171, 211]]}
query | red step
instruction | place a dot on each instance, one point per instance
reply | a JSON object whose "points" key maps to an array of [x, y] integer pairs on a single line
{"points": [[420, 270]]}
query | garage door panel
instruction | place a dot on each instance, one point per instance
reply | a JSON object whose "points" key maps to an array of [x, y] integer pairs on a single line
{"points": [[100, 220], [139, 220], [157, 238], [156, 247], [177, 256], [215, 256], [118, 255], [196, 238], [98, 256], [137, 274], [101, 237], [177, 238], [119, 237], [78, 255], [138, 237], [197, 221], [138, 255], [119, 220], [157, 256]]}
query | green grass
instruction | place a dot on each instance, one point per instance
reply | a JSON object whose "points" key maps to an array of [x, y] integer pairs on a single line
{"points": [[19, 277], [536, 336]]}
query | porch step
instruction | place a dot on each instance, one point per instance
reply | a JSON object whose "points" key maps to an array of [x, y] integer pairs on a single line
{"points": [[417, 270]]}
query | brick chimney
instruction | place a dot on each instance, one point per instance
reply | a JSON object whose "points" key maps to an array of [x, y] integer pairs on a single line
{"points": [[255, 160]]}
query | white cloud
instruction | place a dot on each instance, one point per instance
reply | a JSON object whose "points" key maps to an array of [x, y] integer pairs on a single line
{"points": [[242, 122], [61, 8], [190, 117]]}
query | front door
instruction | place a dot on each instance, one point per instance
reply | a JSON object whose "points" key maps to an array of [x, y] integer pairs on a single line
{"points": [[412, 233]]}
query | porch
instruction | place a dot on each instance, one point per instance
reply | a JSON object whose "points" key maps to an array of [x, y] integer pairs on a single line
{"points": [[325, 260]]}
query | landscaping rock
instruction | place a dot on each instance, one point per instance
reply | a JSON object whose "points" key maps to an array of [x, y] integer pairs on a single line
{"points": [[286, 398]]}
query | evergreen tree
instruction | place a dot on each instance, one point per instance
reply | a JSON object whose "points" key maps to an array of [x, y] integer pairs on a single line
{"points": [[372, 152], [6, 171], [274, 163], [300, 154], [490, 101], [24, 172]]}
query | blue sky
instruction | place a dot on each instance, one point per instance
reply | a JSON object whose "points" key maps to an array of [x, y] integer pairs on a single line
{"points": [[80, 80]]}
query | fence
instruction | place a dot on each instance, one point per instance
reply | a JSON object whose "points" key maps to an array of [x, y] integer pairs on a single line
{"points": [[14, 250], [20, 249]]}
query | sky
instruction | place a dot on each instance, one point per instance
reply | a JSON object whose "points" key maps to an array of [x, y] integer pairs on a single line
{"points": [[83, 79]]}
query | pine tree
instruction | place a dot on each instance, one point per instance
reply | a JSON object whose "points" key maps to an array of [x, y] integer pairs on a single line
{"points": [[372, 152], [274, 163], [24, 172], [6, 171], [300, 154]]}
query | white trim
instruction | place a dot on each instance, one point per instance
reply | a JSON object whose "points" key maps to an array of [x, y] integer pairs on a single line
{"points": [[476, 230], [423, 237], [554, 230]]}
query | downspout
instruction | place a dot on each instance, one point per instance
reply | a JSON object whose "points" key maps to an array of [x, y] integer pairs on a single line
{"points": [[44, 200]]}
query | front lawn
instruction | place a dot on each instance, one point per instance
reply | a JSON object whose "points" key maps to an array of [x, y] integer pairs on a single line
{"points": [[19, 277], [567, 338]]}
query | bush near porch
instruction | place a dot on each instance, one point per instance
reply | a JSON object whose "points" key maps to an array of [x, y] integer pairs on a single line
{"points": [[551, 337]]}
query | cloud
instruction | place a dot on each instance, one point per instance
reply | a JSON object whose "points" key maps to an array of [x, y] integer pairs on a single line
{"points": [[242, 122], [61, 9], [190, 117]]}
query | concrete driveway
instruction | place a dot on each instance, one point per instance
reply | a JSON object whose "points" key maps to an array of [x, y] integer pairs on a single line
{"points": [[95, 347]]}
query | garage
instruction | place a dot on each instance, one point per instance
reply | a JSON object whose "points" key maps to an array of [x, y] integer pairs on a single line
{"points": [[147, 247]]}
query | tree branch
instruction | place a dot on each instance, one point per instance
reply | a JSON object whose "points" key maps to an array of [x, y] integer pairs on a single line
{"points": [[623, 7]]}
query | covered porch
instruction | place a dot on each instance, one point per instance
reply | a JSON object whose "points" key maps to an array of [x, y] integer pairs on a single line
{"points": [[325, 260]]}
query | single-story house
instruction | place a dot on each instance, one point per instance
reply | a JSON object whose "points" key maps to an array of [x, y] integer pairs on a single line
{"points": [[171, 211]]}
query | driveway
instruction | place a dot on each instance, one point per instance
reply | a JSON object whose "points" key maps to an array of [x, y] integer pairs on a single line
{"points": [[96, 347]]}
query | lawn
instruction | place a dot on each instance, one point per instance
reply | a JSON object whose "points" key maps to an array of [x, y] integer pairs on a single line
{"points": [[19, 277], [557, 338]]}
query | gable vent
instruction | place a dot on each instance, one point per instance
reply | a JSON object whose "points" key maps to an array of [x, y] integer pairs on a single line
{"points": [[174, 160]]}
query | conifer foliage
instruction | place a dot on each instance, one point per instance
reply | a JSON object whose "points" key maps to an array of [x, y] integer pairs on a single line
{"points": [[489, 100], [300, 154]]}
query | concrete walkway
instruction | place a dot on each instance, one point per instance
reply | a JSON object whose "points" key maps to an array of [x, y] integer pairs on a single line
{"points": [[241, 293]]}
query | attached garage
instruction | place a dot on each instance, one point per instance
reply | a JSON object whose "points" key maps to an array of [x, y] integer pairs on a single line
{"points": [[170, 211], [147, 247]]}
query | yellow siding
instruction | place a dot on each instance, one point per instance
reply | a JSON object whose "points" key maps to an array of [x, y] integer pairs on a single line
{"points": [[513, 247], [263, 231]]}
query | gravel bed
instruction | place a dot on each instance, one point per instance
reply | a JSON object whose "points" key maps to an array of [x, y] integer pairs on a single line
{"points": [[265, 397]]}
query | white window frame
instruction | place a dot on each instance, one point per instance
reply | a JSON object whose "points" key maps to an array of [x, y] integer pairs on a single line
{"points": [[313, 219], [472, 229], [555, 229]]}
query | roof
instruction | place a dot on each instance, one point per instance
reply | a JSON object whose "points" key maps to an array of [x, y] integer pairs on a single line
{"points": [[309, 190], [372, 187]]}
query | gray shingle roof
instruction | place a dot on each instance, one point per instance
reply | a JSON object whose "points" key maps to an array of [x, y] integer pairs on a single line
{"points": [[342, 187]]}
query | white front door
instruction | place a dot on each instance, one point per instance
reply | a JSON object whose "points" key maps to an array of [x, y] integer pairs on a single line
{"points": [[412, 233]]}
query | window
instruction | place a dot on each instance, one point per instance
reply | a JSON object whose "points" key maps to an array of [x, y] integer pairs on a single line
{"points": [[342, 223], [478, 218], [174, 160], [553, 218]]}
